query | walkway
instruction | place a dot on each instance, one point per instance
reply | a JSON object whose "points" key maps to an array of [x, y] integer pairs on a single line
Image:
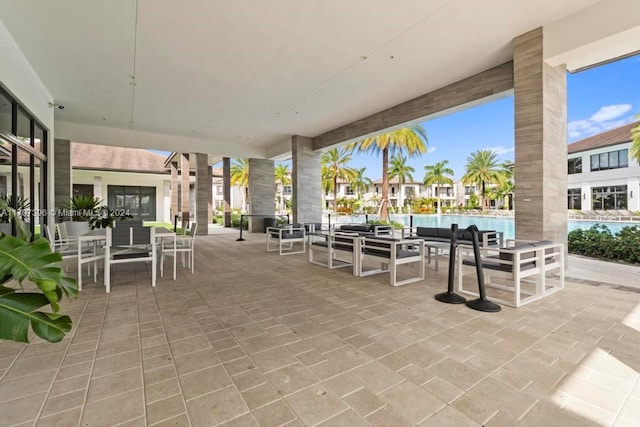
{"points": [[259, 339]]}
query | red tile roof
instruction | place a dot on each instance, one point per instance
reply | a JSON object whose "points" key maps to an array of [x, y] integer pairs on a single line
{"points": [[615, 136]]}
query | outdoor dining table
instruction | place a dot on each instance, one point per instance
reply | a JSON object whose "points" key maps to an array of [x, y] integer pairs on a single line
{"points": [[100, 234]]}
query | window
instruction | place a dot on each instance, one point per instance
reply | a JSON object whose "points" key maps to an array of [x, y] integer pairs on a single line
{"points": [[348, 191], [219, 190], [393, 190], [469, 191], [611, 160], [612, 197], [140, 202], [287, 190], [83, 190], [574, 198], [575, 165], [409, 192]]}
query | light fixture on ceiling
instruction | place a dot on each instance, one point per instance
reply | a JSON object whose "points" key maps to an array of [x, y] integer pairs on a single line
{"points": [[58, 106]]}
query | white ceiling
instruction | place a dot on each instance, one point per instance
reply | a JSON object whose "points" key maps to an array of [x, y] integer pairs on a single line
{"points": [[245, 75]]}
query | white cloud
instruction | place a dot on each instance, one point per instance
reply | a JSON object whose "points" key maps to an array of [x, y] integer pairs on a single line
{"points": [[610, 112], [601, 121], [500, 150], [431, 149]]}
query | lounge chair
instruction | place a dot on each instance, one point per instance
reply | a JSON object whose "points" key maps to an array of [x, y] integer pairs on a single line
{"points": [[286, 239], [391, 253]]}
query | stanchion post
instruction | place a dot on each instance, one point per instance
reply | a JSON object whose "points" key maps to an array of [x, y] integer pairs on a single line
{"points": [[482, 303], [329, 219], [240, 239], [366, 218], [451, 297], [411, 222]]}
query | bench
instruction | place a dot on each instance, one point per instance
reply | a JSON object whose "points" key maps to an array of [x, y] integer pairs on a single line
{"points": [[487, 238], [391, 253], [521, 269], [338, 249], [371, 230], [285, 239]]}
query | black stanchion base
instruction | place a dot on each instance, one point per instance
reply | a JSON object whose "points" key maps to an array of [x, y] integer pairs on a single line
{"points": [[484, 305], [450, 298], [240, 240]]}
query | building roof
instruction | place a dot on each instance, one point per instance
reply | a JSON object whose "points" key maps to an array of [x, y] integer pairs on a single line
{"points": [[615, 136], [395, 180], [108, 158]]}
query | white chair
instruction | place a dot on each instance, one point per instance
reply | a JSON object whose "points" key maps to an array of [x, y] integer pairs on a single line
{"points": [[184, 245], [286, 237], [70, 250], [129, 244]]}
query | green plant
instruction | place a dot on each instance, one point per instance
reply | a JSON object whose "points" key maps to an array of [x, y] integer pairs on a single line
{"points": [[22, 260], [104, 217], [599, 242], [20, 208], [83, 207]]}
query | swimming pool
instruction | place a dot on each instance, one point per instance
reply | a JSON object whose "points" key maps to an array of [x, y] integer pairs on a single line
{"points": [[506, 225]]}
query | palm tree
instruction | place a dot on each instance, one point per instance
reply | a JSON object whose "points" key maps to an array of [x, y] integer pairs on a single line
{"points": [[334, 167], [634, 153], [483, 168], [399, 168], [283, 178], [240, 176], [412, 140], [359, 182], [438, 174]]}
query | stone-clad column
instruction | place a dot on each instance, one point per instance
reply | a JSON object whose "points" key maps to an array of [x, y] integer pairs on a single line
{"points": [[174, 191], [540, 142], [184, 193], [306, 181], [203, 193], [62, 174], [262, 192], [226, 190]]}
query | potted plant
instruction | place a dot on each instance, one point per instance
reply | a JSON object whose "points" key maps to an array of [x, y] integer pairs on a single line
{"points": [[81, 209], [20, 209], [104, 217], [24, 264]]}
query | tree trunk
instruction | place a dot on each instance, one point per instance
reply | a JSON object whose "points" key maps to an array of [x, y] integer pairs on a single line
{"points": [[482, 206], [438, 208], [384, 209], [335, 194]]}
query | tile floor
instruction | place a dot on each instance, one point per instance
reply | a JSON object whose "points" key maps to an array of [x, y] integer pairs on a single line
{"points": [[261, 339]]}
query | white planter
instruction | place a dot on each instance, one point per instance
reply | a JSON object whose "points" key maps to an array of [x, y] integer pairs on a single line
{"points": [[77, 228]]}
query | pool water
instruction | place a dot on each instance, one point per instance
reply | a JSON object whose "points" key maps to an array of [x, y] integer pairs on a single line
{"points": [[506, 225]]}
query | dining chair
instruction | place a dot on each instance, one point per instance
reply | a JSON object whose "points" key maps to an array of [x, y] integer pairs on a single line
{"points": [[184, 245], [127, 245]]}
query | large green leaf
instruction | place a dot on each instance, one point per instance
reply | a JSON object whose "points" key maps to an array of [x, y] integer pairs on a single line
{"points": [[34, 261], [18, 310]]}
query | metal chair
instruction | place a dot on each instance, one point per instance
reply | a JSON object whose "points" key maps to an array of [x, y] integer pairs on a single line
{"points": [[184, 245], [129, 244]]}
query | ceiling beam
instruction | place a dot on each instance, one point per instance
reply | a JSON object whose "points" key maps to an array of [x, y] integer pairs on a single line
{"points": [[490, 84]]}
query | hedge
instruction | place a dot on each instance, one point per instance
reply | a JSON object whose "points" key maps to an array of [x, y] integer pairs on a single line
{"points": [[599, 242]]}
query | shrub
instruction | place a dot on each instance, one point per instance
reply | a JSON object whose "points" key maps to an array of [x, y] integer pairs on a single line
{"points": [[599, 242]]}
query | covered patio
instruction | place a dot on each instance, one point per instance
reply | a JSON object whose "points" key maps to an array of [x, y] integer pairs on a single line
{"points": [[286, 342]]}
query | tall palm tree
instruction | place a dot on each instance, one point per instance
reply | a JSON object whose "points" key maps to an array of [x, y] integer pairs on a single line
{"points": [[334, 167], [482, 169], [634, 153], [240, 176], [283, 178], [398, 167], [359, 182], [438, 174], [412, 140]]}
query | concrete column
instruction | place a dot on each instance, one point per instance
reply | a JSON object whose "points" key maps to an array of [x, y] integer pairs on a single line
{"points": [[210, 204], [203, 193], [175, 192], [262, 192], [540, 142], [226, 190], [306, 181], [61, 173], [184, 193]]}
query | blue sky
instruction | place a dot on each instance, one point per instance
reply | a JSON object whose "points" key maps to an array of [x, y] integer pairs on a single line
{"points": [[598, 99]]}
